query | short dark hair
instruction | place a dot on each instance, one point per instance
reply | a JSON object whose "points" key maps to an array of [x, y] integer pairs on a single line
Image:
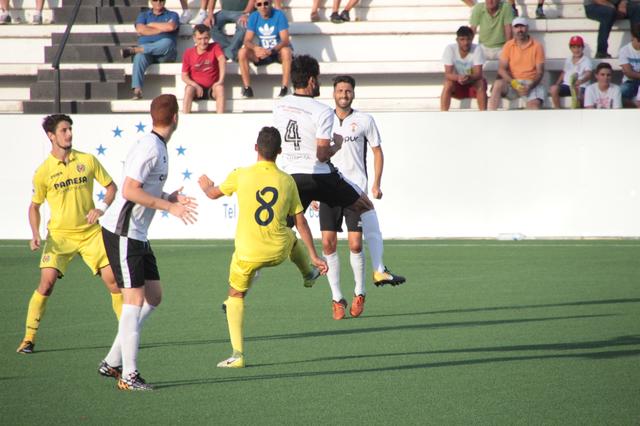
{"points": [[201, 28], [163, 108], [303, 68], [344, 79], [464, 31], [604, 65], [50, 122], [635, 30], [269, 143]]}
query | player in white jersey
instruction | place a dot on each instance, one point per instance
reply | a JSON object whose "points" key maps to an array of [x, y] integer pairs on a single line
{"points": [[357, 130], [124, 231], [307, 128]]}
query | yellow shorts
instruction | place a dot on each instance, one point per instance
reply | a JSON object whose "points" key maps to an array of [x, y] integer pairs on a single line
{"points": [[61, 247], [243, 273]]}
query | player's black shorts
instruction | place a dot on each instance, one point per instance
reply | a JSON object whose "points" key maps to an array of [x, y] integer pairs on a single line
{"points": [[328, 188], [331, 219], [138, 262]]}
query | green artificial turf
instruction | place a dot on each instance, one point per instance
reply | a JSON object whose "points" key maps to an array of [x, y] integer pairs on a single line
{"points": [[483, 332]]}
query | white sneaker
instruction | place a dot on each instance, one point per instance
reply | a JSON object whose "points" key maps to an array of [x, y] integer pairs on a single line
{"points": [[185, 17], [232, 362], [5, 18], [36, 19], [200, 17]]}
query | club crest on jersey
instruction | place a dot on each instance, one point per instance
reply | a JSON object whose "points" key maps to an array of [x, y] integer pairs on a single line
{"points": [[46, 258], [80, 168], [354, 127]]}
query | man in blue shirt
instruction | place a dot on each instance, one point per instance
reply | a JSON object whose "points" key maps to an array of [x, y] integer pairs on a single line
{"points": [[158, 30], [271, 28]]}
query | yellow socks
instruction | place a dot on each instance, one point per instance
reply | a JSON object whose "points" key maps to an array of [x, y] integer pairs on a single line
{"points": [[116, 304], [235, 317], [300, 257], [37, 306]]}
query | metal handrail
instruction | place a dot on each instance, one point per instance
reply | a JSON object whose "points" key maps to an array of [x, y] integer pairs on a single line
{"points": [[56, 60]]}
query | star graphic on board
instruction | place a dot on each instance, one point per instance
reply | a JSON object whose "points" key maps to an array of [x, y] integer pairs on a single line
{"points": [[101, 149], [101, 195], [187, 174], [165, 213], [140, 127], [117, 132], [181, 150]]}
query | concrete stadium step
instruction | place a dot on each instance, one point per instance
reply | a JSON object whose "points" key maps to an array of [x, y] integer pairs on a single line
{"points": [[80, 54], [67, 107], [97, 39], [76, 90], [84, 75], [97, 15]]}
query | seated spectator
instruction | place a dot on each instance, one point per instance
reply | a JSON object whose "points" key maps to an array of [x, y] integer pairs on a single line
{"points": [[603, 94], [605, 12], [158, 29], [521, 69], [5, 16], [539, 9], [203, 70], [186, 16], [272, 29], [230, 12], [574, 77], [494, 19], [463, 77], [338, 18], [629, 60]]}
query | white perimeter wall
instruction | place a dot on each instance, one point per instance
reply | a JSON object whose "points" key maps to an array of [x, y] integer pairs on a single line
{"points": [[464, 174]]}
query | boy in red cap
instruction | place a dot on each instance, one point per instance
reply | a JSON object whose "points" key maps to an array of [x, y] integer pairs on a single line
{"points": [[574, 77]]}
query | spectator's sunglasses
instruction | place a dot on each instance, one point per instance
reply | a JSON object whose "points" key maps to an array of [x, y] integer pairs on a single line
{"points": [[264, 3]]}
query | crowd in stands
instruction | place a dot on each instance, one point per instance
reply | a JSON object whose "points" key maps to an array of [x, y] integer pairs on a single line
{"points": [[504, 36], [261, 37]]}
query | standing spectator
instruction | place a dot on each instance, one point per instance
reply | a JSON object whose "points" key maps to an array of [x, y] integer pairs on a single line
{"points": [[521, 65], [338, 18], [605, 12], [633, 12], [463, 77], [5, 17], [186, 16], [203, 70], [231, 11], [539, 9], [494, 18], [574, 77], [272, 29], [603, 94], [629, 60], [158, 30]]}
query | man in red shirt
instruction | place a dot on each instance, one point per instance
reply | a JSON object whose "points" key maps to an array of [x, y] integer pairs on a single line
{"points": [[203, 70]]}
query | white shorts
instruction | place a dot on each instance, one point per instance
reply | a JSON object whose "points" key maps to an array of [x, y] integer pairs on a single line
{"points": [[491, 53], [537, 92]]}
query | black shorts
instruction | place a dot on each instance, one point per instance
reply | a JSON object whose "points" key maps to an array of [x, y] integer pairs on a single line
{"points": [[138, 262], [328, 188], [207, 94], [274, 57], [331, 219]]}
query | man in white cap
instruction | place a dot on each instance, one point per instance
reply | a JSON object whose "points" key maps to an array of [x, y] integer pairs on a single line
{"points": [[521, 69]]}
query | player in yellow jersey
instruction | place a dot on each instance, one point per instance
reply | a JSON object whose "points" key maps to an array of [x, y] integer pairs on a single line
{"points": [[65, 181], [266, 196]]}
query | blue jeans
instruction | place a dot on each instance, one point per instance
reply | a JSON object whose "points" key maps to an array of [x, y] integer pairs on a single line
{"points": [[629, 89], [606, 16], [163, 50], [633, 12], [229, 46]]}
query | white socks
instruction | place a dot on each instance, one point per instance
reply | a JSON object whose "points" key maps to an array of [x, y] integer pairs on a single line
{"points": [[357, 265], [124, 350], [373, 236], [333, 275]]}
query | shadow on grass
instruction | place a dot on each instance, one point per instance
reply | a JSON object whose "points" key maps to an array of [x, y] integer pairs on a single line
{"points": [[507, 308], [625, 340]]}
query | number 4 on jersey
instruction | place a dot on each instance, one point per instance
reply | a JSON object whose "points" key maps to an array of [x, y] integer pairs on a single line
{"points": [[292, 135]]}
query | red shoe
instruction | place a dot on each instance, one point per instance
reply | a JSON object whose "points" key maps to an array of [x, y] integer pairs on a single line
{"points": [[357, 306], [338, 309]]}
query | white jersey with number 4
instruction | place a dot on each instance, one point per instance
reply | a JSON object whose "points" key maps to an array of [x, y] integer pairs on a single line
{"points": [[358, 130], [301, 120]]}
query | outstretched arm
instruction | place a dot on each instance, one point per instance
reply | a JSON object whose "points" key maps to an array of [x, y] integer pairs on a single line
{"points": [[305, 234], [209, 188], [132, 191]]}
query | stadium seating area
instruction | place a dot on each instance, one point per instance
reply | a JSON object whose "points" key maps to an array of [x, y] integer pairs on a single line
{"points": [[393, 48]]}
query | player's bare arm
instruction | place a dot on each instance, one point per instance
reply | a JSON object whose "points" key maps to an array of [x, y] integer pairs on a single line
{"points": [[34, 223], [94, 214], [132, 191], [378, 165], [327, 148], [305, 234], [209, 188]]}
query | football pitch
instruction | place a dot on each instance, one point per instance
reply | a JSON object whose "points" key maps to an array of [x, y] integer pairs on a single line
{"points": [[483, 332]]}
